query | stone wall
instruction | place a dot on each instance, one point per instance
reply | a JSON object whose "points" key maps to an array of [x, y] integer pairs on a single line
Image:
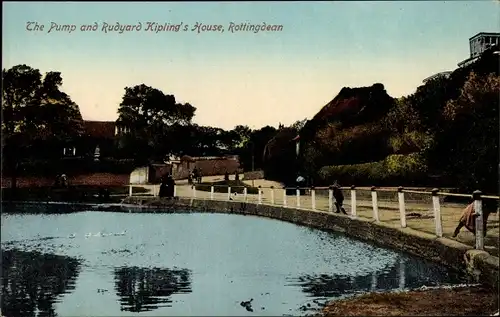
{"points": [[94, 179], [448, 252]]}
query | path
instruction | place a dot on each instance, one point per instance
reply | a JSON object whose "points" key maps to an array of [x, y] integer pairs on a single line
{"points": [[387, 204]]}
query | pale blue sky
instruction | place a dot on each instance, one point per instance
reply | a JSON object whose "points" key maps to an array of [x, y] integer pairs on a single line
{"points": [[245, 78]]}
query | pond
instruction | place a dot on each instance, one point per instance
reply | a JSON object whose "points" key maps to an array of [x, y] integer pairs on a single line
{"points": [[129, 264]]}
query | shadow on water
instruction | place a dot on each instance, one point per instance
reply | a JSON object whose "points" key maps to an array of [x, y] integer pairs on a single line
{"points": [[43, 207], [32, 282], [147, 289], [406, 273]]}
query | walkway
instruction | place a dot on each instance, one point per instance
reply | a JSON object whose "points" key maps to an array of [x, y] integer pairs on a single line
{"points": [[418, 208]]}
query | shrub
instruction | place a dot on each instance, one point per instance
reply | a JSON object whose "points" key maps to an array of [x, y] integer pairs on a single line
{"points": [[394, 170]]}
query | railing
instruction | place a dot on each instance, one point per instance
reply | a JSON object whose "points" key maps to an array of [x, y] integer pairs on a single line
{"points": [[314, 198]]}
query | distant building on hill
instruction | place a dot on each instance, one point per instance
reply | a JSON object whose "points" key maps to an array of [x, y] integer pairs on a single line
{"points": [[478, 44]]}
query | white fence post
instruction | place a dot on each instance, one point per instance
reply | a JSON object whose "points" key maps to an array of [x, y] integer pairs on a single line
{"points": [[284, 196], [330, 198], [375, 204], [272, 195], [437, 213], [154, 190], [313, 198], [175, 190], [212, 192], [228, 192], [298, 196], [402, 207], [194, 191], [130, 190], [245, 193], [478, 210], [353, 200], [260, 195]]}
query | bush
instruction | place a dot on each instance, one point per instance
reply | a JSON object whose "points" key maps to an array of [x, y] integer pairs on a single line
{"points": [[394, 170], [221, 187]]}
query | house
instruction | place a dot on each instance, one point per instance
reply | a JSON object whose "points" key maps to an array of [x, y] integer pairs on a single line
{"points": [[478, 44], [180, 168], [97, 140], [208, 165]]}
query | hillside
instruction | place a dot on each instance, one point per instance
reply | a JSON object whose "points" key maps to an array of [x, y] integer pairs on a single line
{"points": [[444, 134], [352, 106]]}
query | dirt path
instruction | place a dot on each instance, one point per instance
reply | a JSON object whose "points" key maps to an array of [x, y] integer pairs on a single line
{"points": [[471, 301]]}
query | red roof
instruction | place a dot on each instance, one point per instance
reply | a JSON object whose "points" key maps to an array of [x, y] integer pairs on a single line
{"points": [[99, 129]]}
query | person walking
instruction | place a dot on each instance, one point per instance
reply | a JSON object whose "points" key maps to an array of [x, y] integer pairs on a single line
{"points": [[339, 198]]}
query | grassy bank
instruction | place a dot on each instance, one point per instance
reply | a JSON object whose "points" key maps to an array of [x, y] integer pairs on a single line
{"points": [[466, 301], [221, 187], [84, 194]]}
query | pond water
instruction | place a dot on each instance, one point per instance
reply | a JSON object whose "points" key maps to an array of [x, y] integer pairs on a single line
{"points": [[130, 264]]}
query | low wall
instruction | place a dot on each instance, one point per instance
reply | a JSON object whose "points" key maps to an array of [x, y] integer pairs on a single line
{"points": [[94, 179], [253, 175], [482, 266]]}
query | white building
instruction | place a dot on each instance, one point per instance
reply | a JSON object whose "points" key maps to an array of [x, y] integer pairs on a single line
{"points": [[478, 44]]}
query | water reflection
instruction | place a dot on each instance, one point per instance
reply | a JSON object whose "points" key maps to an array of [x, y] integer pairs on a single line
{"points": [[32, 282], [146, 289], [406, 273]]}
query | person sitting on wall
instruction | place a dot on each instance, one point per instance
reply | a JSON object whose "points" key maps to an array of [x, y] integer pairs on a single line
{"points": [[468, 218], [339, 198]]}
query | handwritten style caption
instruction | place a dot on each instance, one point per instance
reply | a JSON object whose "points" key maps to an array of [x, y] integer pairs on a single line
{"points": [[152, 27]]}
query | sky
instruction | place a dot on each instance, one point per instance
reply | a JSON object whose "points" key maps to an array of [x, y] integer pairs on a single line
{"points": [[239, 77]]}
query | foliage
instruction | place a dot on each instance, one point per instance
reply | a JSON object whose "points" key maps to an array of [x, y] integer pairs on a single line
{"points": [[280, 159], [37, 117], [408, 170], [152, 115], [470, 135]]}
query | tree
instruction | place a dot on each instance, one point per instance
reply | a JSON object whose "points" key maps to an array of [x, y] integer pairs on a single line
{"points": [[152, 115], [467, 148], [35, 111]]}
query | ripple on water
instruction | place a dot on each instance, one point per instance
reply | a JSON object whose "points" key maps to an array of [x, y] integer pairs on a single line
{"points": [[173, 264]]}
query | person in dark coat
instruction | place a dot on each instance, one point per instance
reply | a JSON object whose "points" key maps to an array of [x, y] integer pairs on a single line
{"points": [[226, 176], [236, 176], [339, 198], [163, 188], [170, 186]]}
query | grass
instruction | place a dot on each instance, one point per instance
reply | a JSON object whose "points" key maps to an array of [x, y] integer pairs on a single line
{"points": [[221, 187], [68, 194]]}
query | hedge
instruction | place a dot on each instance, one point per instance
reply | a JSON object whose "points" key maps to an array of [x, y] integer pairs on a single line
{"points": [[394, 170]]}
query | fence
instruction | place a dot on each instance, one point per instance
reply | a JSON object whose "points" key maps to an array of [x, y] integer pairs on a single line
{"points": [[400, 206]]}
